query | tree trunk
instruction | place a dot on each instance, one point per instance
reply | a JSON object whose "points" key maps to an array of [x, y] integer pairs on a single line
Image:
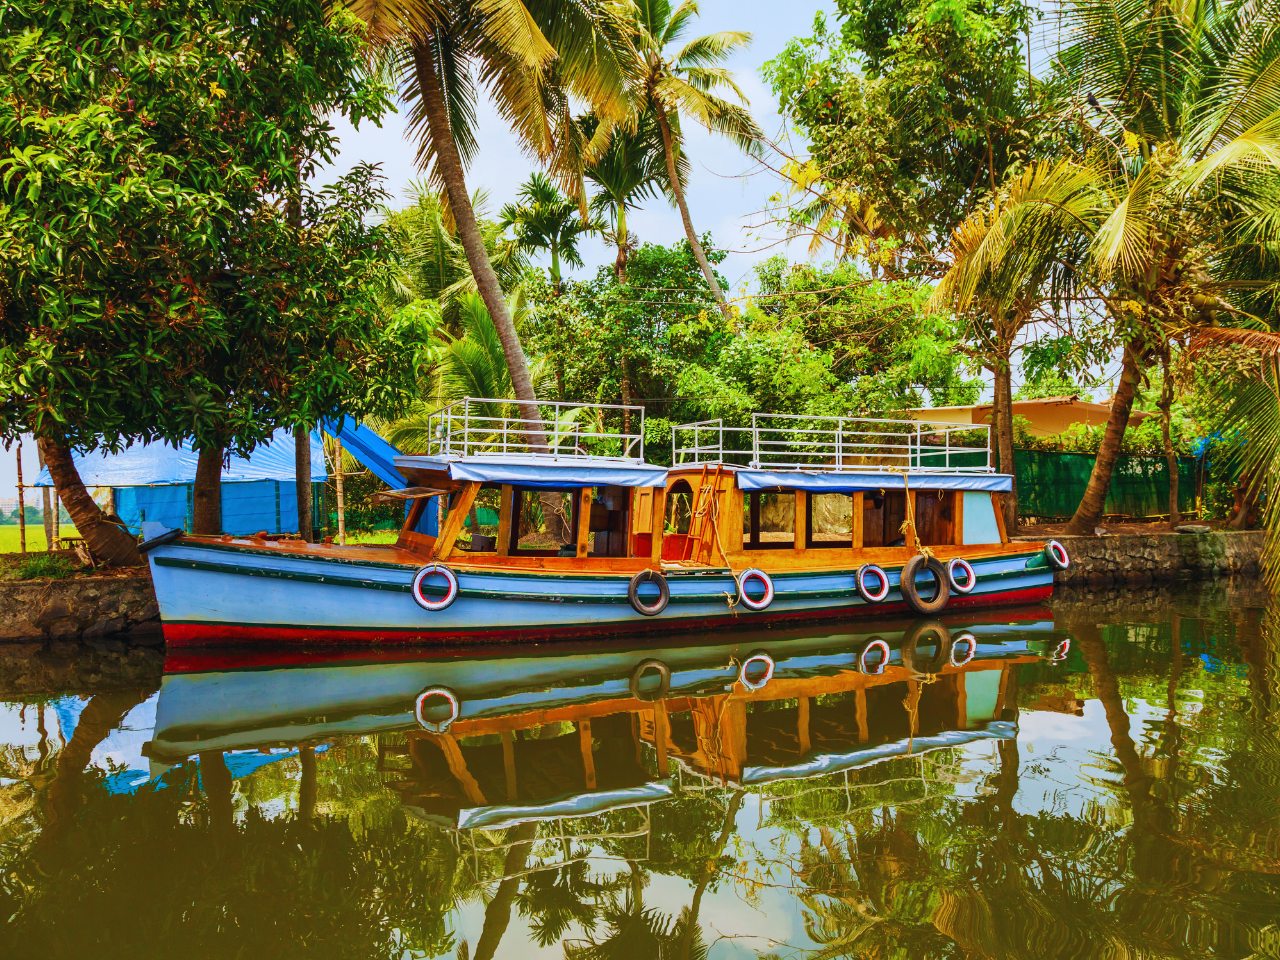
{"points": [[449, 165], [219, 791], [206, 494], [22, 505], [342, 499], [50, 515], [1107, 688], [626, 395], [109, 543], [1089, 513], [1002, 415], [620, 262], [709, 869], [302, 468], [307, 784], [1166, 423], [497, 915], [669, 149]]}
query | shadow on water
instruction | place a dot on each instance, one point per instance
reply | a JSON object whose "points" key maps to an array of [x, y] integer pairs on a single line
{"points": [[1099, 778]]}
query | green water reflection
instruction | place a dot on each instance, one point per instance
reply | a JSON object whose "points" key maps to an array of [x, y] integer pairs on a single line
{"points": [[1116, 795]]}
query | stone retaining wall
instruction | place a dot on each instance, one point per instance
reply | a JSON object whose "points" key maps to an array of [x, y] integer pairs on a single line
{"points": [[1144, 558], [77, 608]]}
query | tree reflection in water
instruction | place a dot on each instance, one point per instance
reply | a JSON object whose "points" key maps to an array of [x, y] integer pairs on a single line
{"points": [[1136, 815]]}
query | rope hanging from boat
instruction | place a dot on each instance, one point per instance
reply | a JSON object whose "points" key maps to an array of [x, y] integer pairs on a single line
{"points": [[908, 527], [709, 511]]}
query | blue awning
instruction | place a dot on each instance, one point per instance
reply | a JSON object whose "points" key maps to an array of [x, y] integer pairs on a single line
{"points": [[841, 482], [542, 474], [367, 447]]}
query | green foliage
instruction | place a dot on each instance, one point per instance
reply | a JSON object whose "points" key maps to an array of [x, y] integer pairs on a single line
{"points": [[45, 566], [545, 220], [165, 271]]}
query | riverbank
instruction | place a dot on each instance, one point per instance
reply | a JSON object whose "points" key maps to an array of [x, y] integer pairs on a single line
{"points": [[1161, 556], [83, 606]]}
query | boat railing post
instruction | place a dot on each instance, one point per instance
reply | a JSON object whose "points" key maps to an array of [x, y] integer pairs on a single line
{"points": [[466, 427]]}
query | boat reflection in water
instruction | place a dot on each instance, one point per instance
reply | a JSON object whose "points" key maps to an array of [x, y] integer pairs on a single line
{"points": [[541, 733]]}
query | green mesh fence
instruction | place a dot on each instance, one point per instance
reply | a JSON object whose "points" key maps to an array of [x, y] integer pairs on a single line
{"points": [[1050, 485]]}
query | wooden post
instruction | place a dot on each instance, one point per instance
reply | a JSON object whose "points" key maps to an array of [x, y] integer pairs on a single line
{"points": [[660, 736], [802, 510], [22, 506], [998, 507], [957, 513], [505, 508], [584, 519], [452, 525], [588, 760], [342, 500], [860, 713], [509, 763], [659, 525], [855, 525], [302, 480], [802, 726]]}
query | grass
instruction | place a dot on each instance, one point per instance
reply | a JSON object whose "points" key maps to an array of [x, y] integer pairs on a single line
{"points": [[35, 537], [45, 566]]}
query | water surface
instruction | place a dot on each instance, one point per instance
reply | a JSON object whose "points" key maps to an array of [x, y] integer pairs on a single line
{"points": [[1097, 778]]}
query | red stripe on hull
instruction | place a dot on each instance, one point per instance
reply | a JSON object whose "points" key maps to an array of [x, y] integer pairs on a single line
{"points": [[198, 634]]}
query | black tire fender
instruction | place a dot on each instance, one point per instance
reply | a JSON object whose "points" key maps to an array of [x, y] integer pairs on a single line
{"points": [[664, 681], [911, 640], [633, 593], [910, 593]]}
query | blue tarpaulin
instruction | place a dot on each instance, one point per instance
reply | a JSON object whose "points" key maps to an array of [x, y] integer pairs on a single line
{"points": [[153, 482], [838, 481]]}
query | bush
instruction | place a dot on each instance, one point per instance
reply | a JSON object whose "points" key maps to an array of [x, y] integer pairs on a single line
{"points": [[45, 566]]}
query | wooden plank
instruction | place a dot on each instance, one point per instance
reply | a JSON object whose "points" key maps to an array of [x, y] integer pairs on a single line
{"points": [[458, 767], [860, 713], [802, 726], [856, 521], [957, 509], [642, 510], [588, 759], [422, 543], [452, 526], [509, 763], [659, 525], [661, 727], [584, 520], [999, 509], [505, 507], [411, 522], [802, 510]]}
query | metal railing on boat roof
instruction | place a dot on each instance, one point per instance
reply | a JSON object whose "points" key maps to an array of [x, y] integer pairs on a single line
{"points": [[852, 444], [485, 427]]}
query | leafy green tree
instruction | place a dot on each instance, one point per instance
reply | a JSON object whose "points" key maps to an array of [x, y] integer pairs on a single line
{"points": [[545, 220], [679, 83], [532, 57], [155, 283]]}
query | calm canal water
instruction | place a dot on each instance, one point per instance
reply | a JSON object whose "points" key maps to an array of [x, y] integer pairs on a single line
{"points": [[1097, 778]]}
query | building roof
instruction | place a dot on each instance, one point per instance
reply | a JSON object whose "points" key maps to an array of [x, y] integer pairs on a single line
{"points": [[538, 472]]}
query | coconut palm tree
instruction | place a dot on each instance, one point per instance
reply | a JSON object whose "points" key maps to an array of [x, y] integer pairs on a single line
{"points": [[633, 168], [530, 56], [546, 220], [1180, 154], [681, 83]]}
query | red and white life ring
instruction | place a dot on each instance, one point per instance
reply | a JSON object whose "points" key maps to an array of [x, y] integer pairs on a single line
{"points": [[436, 726], [753, 573], [431, 603], [758, 657], [860, 581], [966, 571], [971, 646], [883, 648]]}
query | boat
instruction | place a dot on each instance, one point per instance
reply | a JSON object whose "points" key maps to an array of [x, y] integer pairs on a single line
{"points": [[789, 519], [489, 737]]}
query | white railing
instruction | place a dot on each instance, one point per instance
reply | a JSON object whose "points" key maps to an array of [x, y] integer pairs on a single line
{"points": [[481, 427], [854, 444]]}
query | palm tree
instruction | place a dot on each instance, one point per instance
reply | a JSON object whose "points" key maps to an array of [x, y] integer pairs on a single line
{"points": [[682, 82], [633, 168], [1181, 150], [531, 56], [545, 220]]}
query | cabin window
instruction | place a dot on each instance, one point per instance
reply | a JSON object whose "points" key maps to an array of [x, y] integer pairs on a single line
{"points": [[769, 520], [830, 520], [884, 511], [544, 523], [679, 507], [935, 517]]}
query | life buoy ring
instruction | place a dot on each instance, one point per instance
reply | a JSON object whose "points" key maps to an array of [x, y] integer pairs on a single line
{"points": [[1057, 555], [1060, 651], [436, 726], [971, 647], [450, 594], [882, 648], [911, 594], [664, 681], [752, 573], [911, 640], [633, 593], [860, 581], [758, 657], [966, 570]]}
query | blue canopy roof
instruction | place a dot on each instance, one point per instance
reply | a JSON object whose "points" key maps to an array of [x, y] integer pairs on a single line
{"points": [[367, 447], [844, 482], [543, 473], [151, 464]]}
